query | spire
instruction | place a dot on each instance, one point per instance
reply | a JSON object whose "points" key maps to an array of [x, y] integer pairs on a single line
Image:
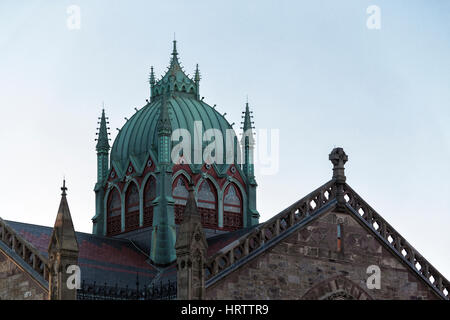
{"points": [[63, 235], [247, 136], [174, 60], [62, 253], [103, 140], [152, 77], [248, 123], [197, 81], [191, 213], [197, 74]]}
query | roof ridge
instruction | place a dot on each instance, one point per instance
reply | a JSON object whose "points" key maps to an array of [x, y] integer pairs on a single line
{"points": [[397, 243], [272, 228], [38, 262], [51, 228]]}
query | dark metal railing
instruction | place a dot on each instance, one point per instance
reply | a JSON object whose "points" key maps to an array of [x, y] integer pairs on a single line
{"points": [[159, 291]]}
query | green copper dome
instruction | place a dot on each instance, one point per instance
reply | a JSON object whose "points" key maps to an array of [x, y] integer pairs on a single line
{"points": [[139, 135], [138, 138]]}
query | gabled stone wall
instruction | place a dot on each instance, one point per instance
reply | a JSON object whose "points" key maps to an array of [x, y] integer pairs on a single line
{"points": [[309, 265], [16, 284]]}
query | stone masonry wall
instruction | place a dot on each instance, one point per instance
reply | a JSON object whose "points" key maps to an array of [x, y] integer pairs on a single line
{"points": [[16, 284], [307, 265]]}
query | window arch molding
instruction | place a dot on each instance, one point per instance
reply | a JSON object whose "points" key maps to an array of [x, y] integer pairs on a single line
{"points": [[110, 189], [125, 191], [217, 194], [146, 213], [144, 183], [211, 179], [181, 172], [232, 180]]}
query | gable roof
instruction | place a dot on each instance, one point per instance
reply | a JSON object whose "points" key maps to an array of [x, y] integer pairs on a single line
{"points": [[101, 259], [105, 259], [322, 200]]}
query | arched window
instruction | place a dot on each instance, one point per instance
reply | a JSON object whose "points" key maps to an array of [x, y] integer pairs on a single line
{"points": [[149, 196], [180, 195], [113, 213], [207, 204], [132, 207], [232, 208]]}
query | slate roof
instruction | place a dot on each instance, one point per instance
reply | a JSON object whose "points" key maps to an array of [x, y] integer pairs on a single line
{"points": [[115, 260]]}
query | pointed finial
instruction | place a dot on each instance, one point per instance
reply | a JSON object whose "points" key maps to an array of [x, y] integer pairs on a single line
{"points": [[247, 117], [174, 51], [102, 141], [152, 76], [191, 210], [197, 74], [64, 189]]}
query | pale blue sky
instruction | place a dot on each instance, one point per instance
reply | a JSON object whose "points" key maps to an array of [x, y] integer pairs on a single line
{"points": [[311, 69]]}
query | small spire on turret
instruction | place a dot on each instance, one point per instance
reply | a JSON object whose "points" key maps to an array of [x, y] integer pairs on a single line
{"points": [[103, 140], [62, 252], [248, 123], [174, 60], [197, 74], [248, 142], [152, 77], [63, 229]]}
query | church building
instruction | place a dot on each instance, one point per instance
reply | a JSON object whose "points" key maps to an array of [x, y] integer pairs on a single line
{"points": [[177, 218]]}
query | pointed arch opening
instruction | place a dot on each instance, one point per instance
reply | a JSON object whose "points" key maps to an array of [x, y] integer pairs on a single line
{"points": [[132, 207], [149, 196], [180, 194], [113, 213], [207, 204], [232, 208]]}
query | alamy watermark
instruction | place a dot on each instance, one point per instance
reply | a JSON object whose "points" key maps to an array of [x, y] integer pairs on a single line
{"points": [[374, 279], [374, 19], [210, 146], [74, 280], [73, 21]]}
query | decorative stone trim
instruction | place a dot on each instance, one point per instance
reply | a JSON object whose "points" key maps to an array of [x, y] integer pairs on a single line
{"points": [[279, 224], [397, 243], [29, 254]]}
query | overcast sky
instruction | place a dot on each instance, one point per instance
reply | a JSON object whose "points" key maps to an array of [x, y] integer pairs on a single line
{"points": [[311, 69]]}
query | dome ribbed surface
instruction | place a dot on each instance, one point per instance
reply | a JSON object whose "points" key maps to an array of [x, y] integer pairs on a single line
{"points": [[139, 135]]}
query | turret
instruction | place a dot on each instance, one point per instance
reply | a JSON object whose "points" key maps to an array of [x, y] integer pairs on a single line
{"points": [[248, 146], [62, 253], [102, 148], [174, 82], [164, 232]]}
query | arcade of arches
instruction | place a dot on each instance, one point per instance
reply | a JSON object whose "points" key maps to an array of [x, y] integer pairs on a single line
{"points": [[207, 202]]}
